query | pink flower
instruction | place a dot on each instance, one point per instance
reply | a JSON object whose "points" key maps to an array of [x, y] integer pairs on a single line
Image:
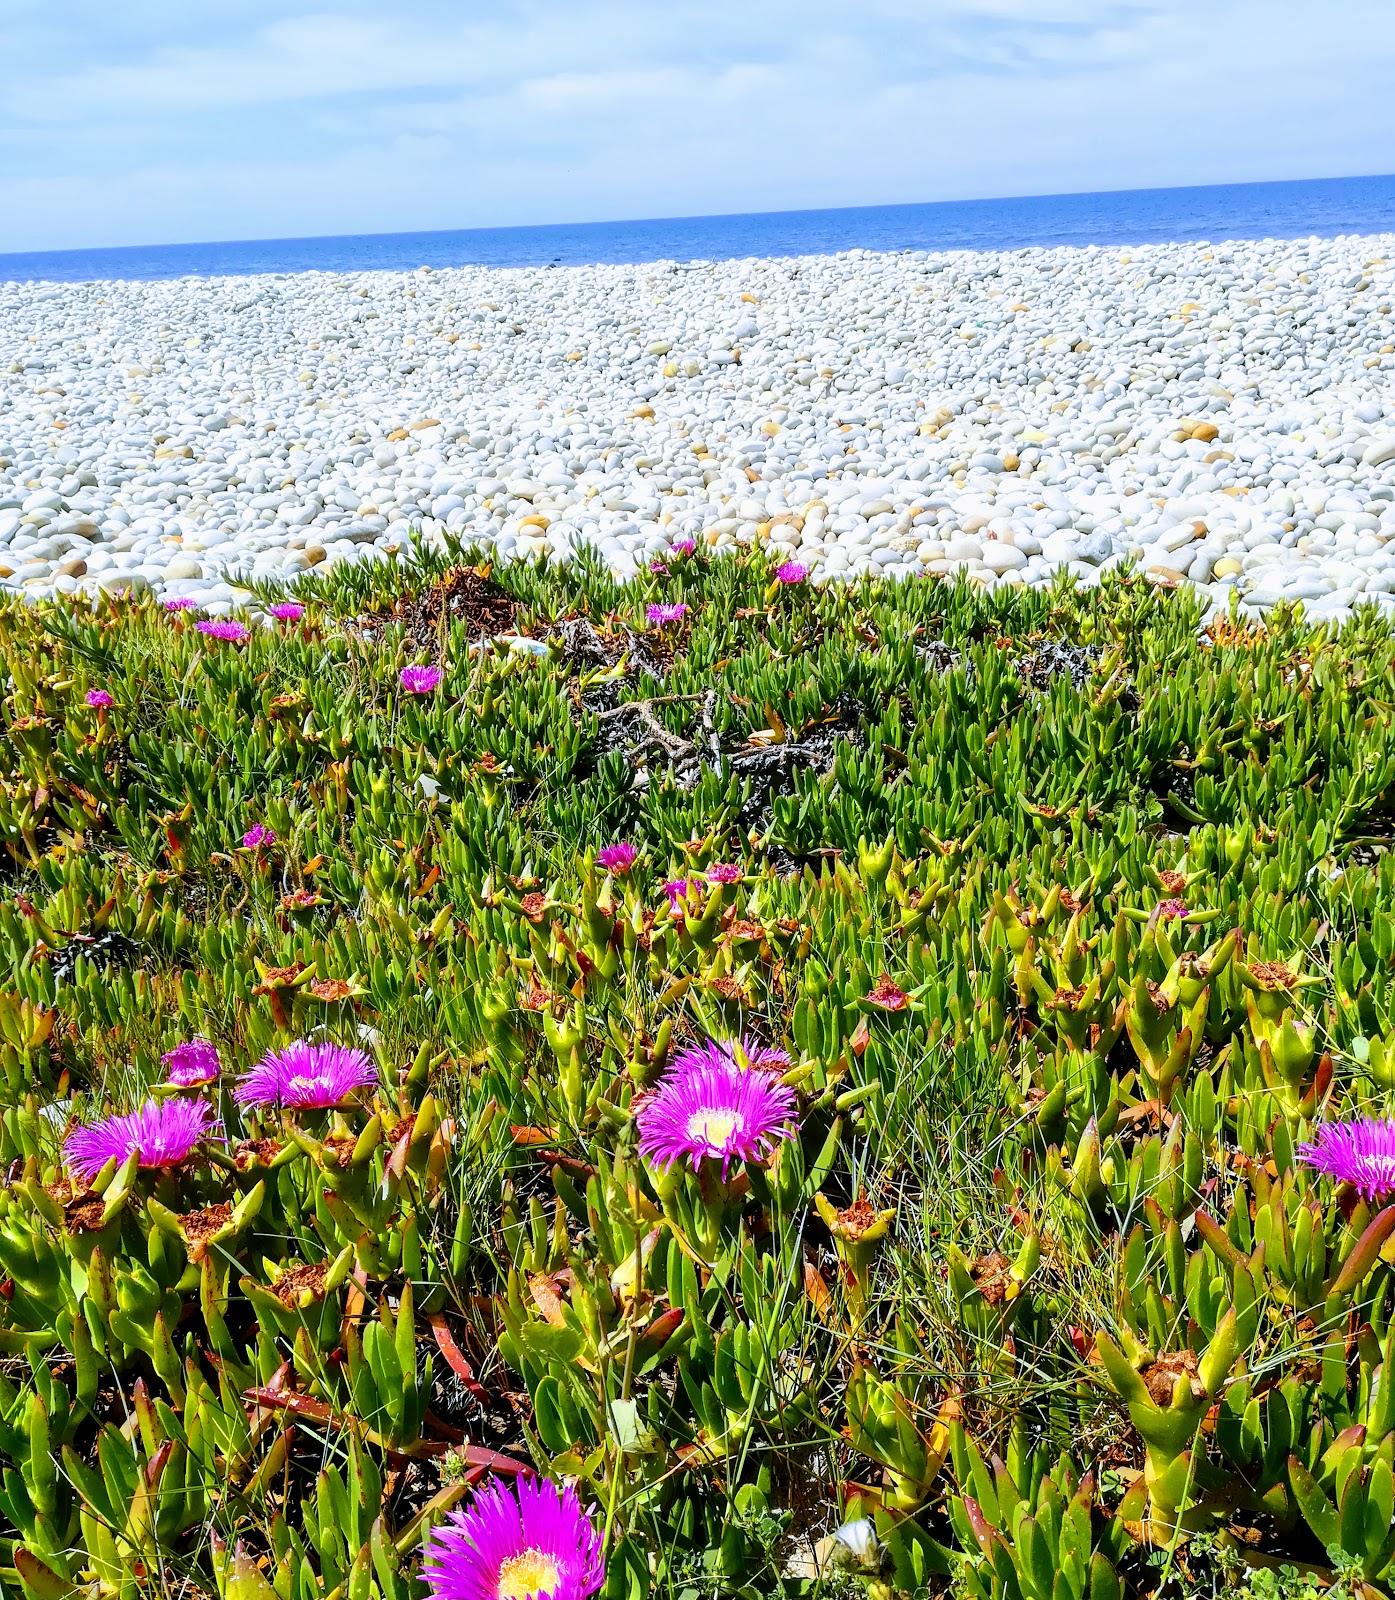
{"points": [[192, 1064], [1360, 1152], [617, 858], [526, 1541], [658, 568], [683, 547], [257, 836], [714, 1110], [661, 616], [179, 602], [791, 572], [286, 611], [224, 628], [307, 1076], [724, 872], [99, 699], [678, 890], [734, 1056], [421, 680], [161, 1132], [1172, 908]]}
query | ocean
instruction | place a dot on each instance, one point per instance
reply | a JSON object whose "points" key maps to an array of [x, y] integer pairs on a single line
{"points": [[1322, 206]]}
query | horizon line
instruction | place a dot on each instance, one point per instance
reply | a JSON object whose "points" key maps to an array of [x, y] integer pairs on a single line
{"points": [[709, 216]]}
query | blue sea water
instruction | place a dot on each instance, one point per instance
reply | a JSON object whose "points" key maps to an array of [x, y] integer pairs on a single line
{"points": [[1322, 206]]}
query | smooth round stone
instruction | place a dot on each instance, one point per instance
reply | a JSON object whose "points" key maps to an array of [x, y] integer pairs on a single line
{"points": [[1002, 558], [964, 549]]}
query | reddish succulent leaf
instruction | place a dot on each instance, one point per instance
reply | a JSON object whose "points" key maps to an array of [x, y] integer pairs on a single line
{"points": [[455, 1358], [662, 1329], [156, 1465]]}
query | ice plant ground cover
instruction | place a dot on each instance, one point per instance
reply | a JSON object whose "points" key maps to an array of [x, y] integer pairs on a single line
{"points": [[900, 1169]]}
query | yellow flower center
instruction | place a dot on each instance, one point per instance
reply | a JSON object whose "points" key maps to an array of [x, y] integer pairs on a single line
{"points": [[713, 1128], [530, 1575]]}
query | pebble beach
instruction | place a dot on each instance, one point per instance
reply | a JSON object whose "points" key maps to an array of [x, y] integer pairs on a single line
{"points": [[1217, 415]]}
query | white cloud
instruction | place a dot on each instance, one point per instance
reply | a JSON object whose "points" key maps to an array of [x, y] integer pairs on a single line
{"points": [[302, 58], [615, 91]]}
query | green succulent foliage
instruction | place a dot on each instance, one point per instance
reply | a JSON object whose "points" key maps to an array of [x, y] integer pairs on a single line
{"points": [[1073, 921]]}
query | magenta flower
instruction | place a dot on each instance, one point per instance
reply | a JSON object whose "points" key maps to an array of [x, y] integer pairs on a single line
{"points": [[286, 611], [683, 547], [706, 1110], [724, 872], [99, 699], [732, 1055], [759, 1057], [678, 890], [421, 680], [526, 1541], [617, 858], [791, 572], [306, 1077], [661, 616], [1172, 908], [161, 1132], [179, 602], [1360, 1152], [192, 1064], [257, 836], [659, 569], [224, 628]]}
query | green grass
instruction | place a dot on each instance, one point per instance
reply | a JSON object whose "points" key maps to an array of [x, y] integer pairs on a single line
{"points": [[1110, 1336]]}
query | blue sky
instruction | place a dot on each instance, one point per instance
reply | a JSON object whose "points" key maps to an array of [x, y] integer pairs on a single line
{"points": [[141, 121]]}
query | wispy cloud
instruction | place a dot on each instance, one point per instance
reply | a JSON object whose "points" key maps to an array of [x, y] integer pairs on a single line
{"points": [[247, 117], [300, 59]]}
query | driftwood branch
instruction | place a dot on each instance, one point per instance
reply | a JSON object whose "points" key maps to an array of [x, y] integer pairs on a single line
{"points": [[688, 757], [642, 712]]}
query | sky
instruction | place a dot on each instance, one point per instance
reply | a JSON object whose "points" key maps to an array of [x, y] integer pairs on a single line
{"points": [[144, 122]]}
